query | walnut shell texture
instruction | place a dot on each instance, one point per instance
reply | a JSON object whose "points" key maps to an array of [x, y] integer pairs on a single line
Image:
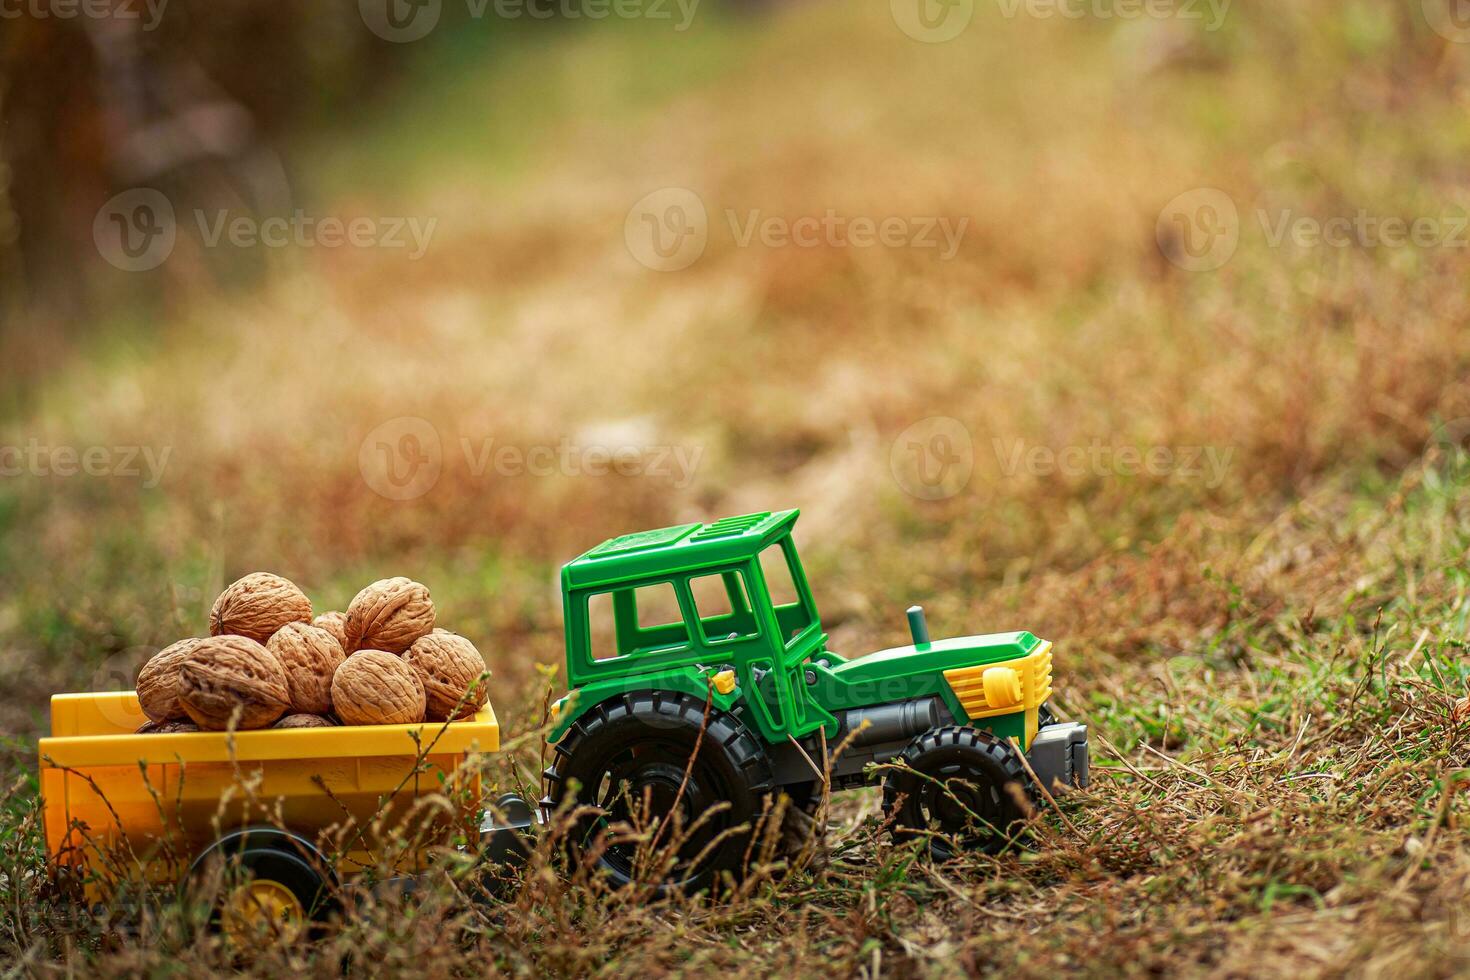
{"points": [[258, 605], [172, 727], [373, 687], [228, 675], [311, 656], [158, 682], [389, 615], [448, 665], [334, 623], [303, 720]]}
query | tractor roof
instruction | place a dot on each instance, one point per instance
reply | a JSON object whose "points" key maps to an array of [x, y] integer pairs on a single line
{"points": [[671, 550]]}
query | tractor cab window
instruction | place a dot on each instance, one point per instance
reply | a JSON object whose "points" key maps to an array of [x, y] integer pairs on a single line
{"points": [[722, 603], [644, 619], [787, 585]]}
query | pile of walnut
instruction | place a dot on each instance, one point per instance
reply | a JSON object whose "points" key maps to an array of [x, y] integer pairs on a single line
{"points": [[268, 664]]}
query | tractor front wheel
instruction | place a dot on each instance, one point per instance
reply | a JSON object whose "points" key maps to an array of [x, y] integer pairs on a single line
{"points": [[960, 788]]}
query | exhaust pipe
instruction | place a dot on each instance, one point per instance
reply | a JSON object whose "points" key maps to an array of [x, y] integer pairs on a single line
{"points": [[918, 626]]}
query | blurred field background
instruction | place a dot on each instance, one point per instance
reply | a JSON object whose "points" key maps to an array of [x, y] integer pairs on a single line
{"points": [[1269, 650]]}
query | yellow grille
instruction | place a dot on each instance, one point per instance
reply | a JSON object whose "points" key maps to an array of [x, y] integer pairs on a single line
{"points": [[968, 684]]}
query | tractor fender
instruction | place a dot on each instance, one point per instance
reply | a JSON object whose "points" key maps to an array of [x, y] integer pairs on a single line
{"points": [[578, 702]]}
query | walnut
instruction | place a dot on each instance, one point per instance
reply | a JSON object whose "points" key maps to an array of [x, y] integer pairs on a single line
{"points": [[389, 615], [449, 666], [334, 623], [258, 605], [158, 682], [373, 687], [173, 727], [227, 677], [302, 720], [311, 656]]}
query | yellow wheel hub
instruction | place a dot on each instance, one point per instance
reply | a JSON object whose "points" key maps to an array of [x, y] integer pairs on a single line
{"points": [[262, 910]]}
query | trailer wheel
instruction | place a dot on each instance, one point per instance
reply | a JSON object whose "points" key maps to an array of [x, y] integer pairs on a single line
{"points": [[957, 787], [271, 886], [629, 758]]}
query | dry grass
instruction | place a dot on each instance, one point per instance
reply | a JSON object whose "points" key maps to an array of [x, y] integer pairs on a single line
{"points": [[1268, 660]]}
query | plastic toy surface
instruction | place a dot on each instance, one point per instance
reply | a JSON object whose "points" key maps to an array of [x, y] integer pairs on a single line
{"points": [[702, 688], [702, 683], [172, 804]]}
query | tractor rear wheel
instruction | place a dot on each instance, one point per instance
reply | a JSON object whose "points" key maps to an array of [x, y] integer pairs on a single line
{"points": [[958, 787], [659, 772]]}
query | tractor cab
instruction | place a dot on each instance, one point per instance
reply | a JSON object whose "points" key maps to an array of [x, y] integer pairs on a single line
{"points": [[725, 603]]}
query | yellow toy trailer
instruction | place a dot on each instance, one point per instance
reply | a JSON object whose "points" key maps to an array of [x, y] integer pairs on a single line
{"points": [[297, 809]]}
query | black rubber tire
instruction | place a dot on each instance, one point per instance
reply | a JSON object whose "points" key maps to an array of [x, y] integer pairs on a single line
{"points": [[956, 787], [272, 854], [643, 741]]}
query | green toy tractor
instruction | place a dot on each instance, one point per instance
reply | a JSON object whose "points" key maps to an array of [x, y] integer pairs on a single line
{"points": [[701, 686]]}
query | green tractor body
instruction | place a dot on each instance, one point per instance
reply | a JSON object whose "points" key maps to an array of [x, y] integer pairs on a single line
{"points": [[721, 616]]}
